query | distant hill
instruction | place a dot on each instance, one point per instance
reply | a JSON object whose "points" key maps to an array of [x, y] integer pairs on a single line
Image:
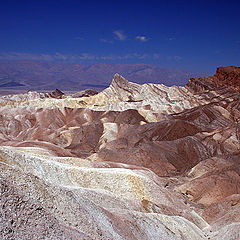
{"points": [[37, 75]]}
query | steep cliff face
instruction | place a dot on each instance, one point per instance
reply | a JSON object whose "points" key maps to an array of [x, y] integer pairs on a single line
{"points": [[131, 162], [228, 77], [225, 77]]}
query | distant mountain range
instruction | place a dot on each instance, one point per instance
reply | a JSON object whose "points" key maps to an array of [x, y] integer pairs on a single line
{"points": [[37, 75]]}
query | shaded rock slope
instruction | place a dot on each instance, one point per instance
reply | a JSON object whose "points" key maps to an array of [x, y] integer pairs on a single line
{"points": [[131, 162]]}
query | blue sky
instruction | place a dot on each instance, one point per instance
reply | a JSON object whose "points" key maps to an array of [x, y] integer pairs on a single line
{"points": [[193, 35]]}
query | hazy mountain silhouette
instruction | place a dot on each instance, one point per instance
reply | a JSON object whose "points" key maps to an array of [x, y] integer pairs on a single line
{"points": [[37, 75]]}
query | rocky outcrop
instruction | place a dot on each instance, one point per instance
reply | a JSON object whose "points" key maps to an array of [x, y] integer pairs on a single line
{"points": [[55, 94], [131, 162], [225, 77], [228, 77], [84, 93]]}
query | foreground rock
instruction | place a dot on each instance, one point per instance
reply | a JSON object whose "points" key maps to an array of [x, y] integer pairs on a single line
{"points": [[131, 162]]}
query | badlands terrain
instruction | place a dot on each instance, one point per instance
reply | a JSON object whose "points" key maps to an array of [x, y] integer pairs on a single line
{"points": [[131, 162]]}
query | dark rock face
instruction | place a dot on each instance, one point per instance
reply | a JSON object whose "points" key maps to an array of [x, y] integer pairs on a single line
{"points": [[228, 77], [85, 93], [225, 77], [55, 94], [201, 84]]}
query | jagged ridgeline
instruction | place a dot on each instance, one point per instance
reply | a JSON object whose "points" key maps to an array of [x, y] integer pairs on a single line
{"points": [[130, 162]]}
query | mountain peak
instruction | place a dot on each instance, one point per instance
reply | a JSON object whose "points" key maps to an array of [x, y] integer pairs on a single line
{"points": [[119, 80]]}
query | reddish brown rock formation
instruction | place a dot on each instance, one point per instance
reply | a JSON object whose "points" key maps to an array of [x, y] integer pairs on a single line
{"points": [[228, 77], [225, 77]]}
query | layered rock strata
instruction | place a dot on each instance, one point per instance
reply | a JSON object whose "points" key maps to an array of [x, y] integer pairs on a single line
{"points": [[131, 162]]}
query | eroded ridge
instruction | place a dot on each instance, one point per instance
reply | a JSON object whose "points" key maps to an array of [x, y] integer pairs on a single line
{"points": [[131, 162]]}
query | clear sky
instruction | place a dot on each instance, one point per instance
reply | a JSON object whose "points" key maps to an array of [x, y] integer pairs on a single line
{"points": [[193, 35]]}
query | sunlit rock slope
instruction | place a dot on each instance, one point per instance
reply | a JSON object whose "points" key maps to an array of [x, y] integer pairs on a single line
{"points": [[131, 162]]}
